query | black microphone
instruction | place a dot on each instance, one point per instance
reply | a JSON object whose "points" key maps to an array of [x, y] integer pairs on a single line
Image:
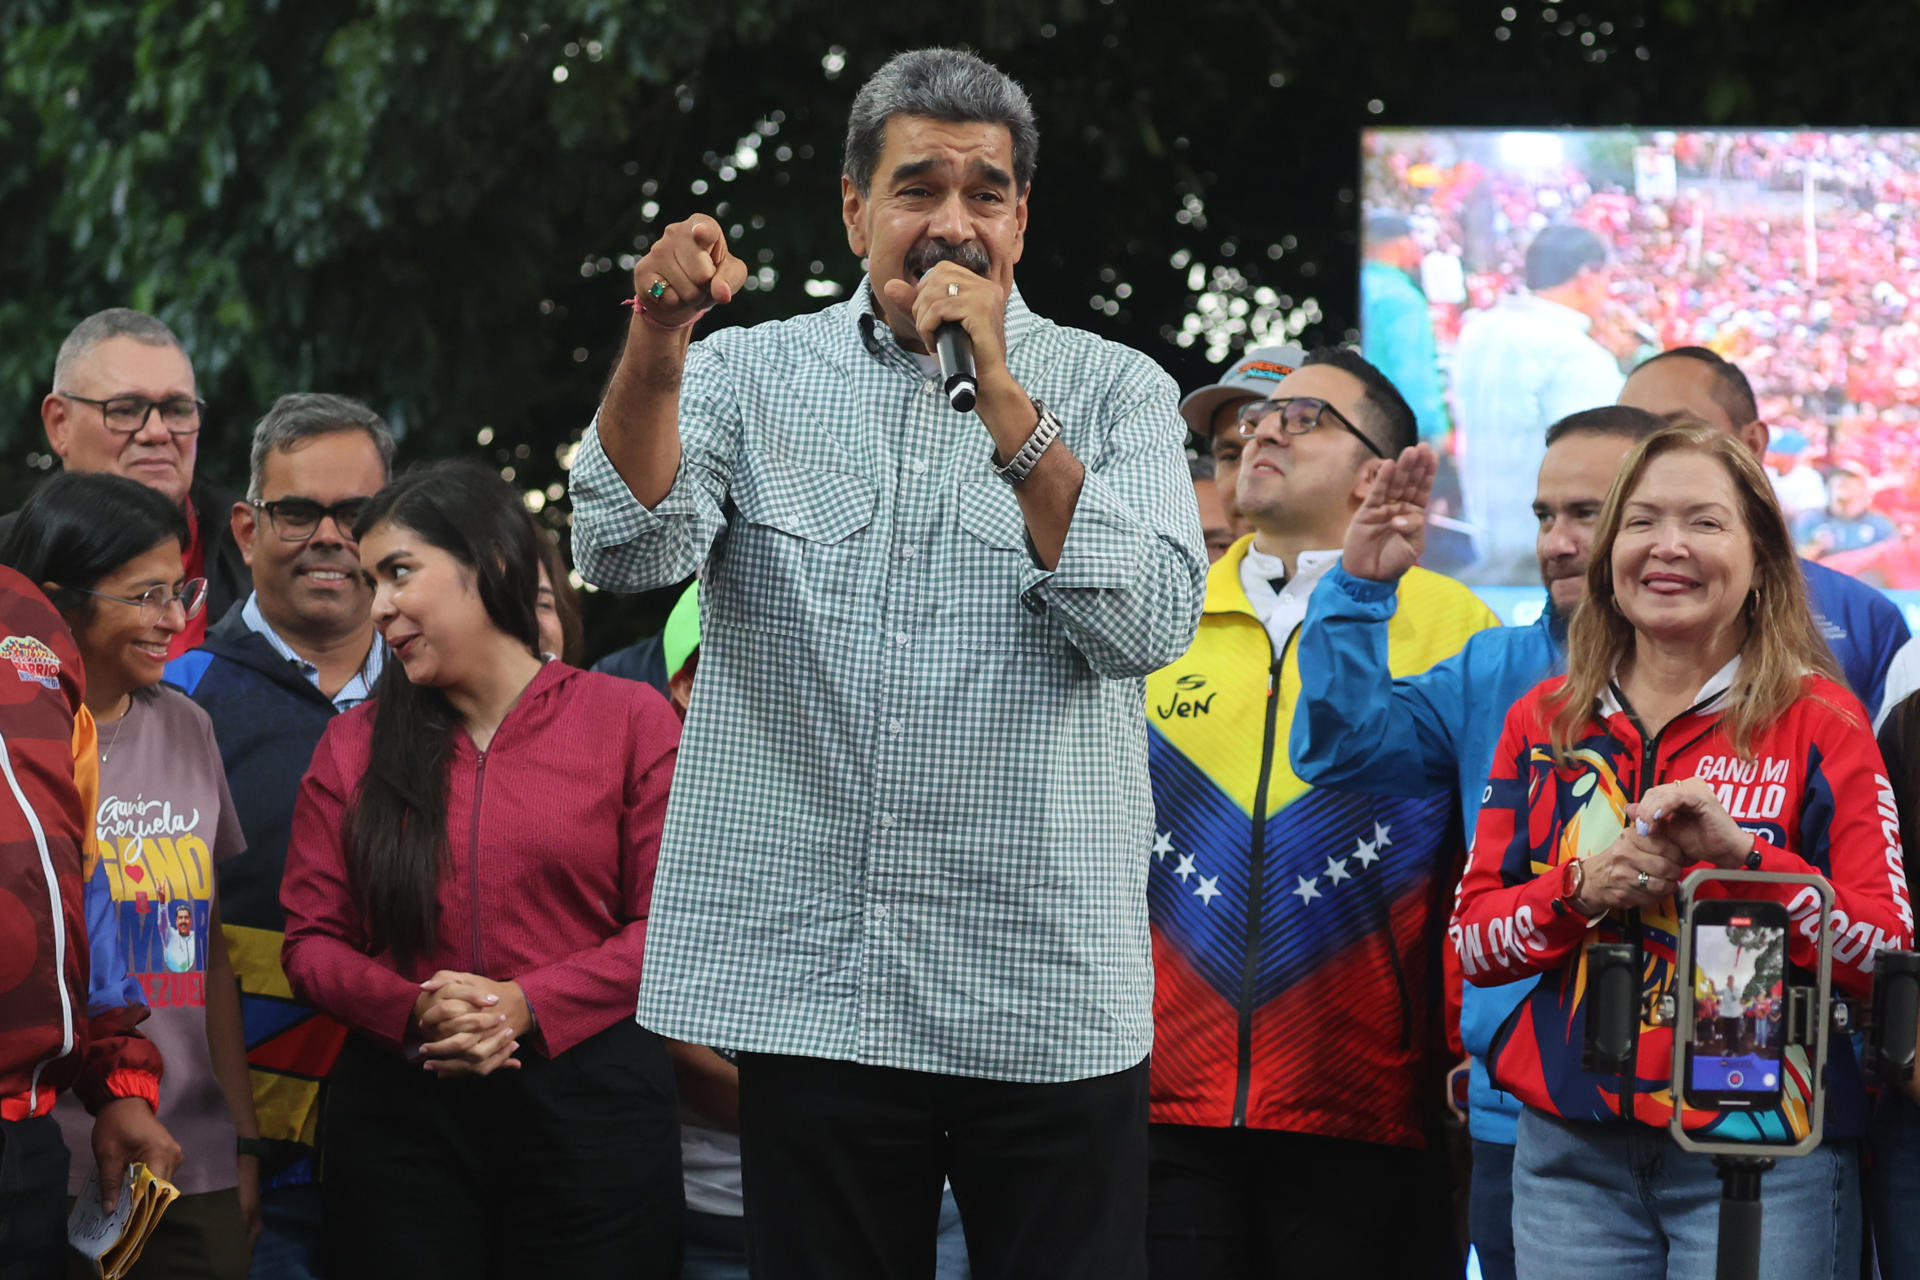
{"points": [[955, 350]]}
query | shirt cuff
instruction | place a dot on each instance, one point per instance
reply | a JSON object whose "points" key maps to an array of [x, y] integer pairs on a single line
{"points": [[1102, 550], [1362, 590], [601, 498], [129, 1083]]}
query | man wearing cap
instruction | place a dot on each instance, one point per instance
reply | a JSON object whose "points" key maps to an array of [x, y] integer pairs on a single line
{"points": [[1212, 417], [1396, 328]]}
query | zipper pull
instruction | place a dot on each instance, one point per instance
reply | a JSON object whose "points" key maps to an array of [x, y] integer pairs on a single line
{"points": [[1273, 677]]}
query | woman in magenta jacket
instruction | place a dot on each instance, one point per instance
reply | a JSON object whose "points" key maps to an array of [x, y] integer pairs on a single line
{"points": [[466, 889]]}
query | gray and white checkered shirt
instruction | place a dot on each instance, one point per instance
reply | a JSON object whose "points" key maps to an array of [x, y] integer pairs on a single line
{"points": [[912, 818]]}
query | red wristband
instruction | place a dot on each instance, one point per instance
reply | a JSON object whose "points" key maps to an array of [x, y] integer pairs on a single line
{"points": [[638, 307]]}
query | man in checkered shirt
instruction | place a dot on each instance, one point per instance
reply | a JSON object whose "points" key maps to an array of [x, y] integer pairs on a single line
{"points": [[904, 869]]}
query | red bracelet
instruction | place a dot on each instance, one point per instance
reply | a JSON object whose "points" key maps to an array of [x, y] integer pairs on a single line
{"points": [[638, 307]]}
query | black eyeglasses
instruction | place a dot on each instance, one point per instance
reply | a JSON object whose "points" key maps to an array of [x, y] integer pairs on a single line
{"points": [[126, 415], [298, 519], [1298, 416], [152, 603]]}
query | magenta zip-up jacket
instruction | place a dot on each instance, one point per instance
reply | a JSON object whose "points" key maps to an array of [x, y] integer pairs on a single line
{"points": [[552, 834]]}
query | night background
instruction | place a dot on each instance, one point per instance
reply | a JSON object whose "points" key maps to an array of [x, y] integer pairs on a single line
{"points": [[435, 206]]}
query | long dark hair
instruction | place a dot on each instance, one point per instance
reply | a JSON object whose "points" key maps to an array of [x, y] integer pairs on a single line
{"points": [[396, 831], [77, 527]]}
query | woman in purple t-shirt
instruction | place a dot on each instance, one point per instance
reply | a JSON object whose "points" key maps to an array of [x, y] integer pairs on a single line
{"points": [[107, 551]]}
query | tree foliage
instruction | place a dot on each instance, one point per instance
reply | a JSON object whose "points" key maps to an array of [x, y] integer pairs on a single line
{"points": [[428, 204]]}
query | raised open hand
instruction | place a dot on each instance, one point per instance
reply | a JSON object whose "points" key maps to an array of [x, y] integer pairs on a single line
{"points": [[1388, 532]]}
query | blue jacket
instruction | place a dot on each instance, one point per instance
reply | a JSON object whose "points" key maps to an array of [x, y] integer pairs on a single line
{"points": [[1862, 626], [1358, 729]]}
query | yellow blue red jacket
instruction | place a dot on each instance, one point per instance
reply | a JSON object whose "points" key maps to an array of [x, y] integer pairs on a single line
{"points": [[1312, 1012]]}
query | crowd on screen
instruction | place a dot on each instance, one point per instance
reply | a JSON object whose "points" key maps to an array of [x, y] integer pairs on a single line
{"points": [[1722, 261], [1090, 842]]}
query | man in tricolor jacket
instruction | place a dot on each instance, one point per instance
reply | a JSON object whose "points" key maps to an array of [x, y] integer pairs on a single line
{"points": [[1295, 930]]}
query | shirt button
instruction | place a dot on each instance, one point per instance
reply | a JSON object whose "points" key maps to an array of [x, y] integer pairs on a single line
{"points": [[900, 638], [908, 553], [918, 466], [880, 911], [893, 727], [886, 821]]}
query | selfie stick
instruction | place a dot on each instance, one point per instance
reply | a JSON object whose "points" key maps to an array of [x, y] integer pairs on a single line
{"points": [[1740, 1164]]}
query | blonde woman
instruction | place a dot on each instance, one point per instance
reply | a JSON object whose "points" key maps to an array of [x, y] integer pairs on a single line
{"points": [[1701, 700]]}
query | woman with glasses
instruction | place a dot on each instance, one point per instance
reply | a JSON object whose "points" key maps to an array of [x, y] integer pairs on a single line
{"points": [[467, 890], [107, 552]]}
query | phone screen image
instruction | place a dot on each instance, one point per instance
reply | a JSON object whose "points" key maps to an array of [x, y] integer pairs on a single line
{"points": [[1739, 994]]}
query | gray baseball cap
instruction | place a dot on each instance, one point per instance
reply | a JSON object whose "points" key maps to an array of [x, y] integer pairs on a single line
{"points": [[1254, 374]]}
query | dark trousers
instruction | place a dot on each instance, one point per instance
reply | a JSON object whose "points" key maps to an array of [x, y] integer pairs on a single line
{"points": [[1246, 1204], [33, 1199], [1492, 1209], [842, 1166], [564, 1167]]}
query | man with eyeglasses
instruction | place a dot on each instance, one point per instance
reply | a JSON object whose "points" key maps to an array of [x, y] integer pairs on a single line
{"points": [[273, 672], [123, 401], [1295, 930]]}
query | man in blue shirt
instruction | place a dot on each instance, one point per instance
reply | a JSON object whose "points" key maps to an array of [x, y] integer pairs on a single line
{"points": [[1863, 627], [1359, 729]]}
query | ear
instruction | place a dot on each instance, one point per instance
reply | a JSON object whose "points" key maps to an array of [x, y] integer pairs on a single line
{"points": [[53, 416], [1020, 227], [246, 524], [1363, 482], [1756, 437], [853, 212]]}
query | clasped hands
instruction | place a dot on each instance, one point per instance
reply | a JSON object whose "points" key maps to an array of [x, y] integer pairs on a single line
{"points": [[470, 1025], [1685, 824]]}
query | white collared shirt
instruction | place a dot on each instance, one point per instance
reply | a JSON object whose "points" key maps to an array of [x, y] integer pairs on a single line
{"points": [[1717, 683], [1283, 610], [354, 692]]}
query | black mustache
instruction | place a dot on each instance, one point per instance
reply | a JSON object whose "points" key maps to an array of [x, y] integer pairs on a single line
{"points": [[921, 258]]}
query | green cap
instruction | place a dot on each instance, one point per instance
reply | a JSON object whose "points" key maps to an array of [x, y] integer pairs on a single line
{"points": [[682, 635]]}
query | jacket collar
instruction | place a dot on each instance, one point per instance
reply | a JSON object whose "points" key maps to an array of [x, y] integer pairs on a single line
{"points": [[1225, 594], [232, 639]]}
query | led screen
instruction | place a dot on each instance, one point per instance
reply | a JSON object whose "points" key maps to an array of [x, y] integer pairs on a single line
{"points": [[1510, 277]]}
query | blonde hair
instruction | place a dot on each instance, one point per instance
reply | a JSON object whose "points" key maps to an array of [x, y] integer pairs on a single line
{"points": [[1782, 644]]}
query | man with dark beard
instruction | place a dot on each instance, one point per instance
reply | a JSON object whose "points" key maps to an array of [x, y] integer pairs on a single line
{"points": [[905, 862], [1359, 729]]}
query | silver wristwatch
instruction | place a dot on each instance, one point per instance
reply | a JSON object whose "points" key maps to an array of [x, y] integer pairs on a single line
{"points": [[1021, 464]]}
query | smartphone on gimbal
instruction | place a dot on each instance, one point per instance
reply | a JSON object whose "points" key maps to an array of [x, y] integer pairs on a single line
{"points": [[1734, 1057]]}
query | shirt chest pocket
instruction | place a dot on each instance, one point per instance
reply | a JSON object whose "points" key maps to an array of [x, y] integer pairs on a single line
{"points": [[993, 561], [795, 556]]}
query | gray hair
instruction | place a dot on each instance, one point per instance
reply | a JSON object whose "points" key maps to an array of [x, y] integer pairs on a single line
{"points": [[938, 84], [115, 322], [302, 415]]}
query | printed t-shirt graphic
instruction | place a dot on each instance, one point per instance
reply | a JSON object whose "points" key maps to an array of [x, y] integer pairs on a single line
{"points": [[165, 818]]}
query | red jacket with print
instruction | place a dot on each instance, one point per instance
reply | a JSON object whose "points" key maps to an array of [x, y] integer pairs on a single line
{"points": [[552, 833], [48, 1039], [1814, 793]]}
